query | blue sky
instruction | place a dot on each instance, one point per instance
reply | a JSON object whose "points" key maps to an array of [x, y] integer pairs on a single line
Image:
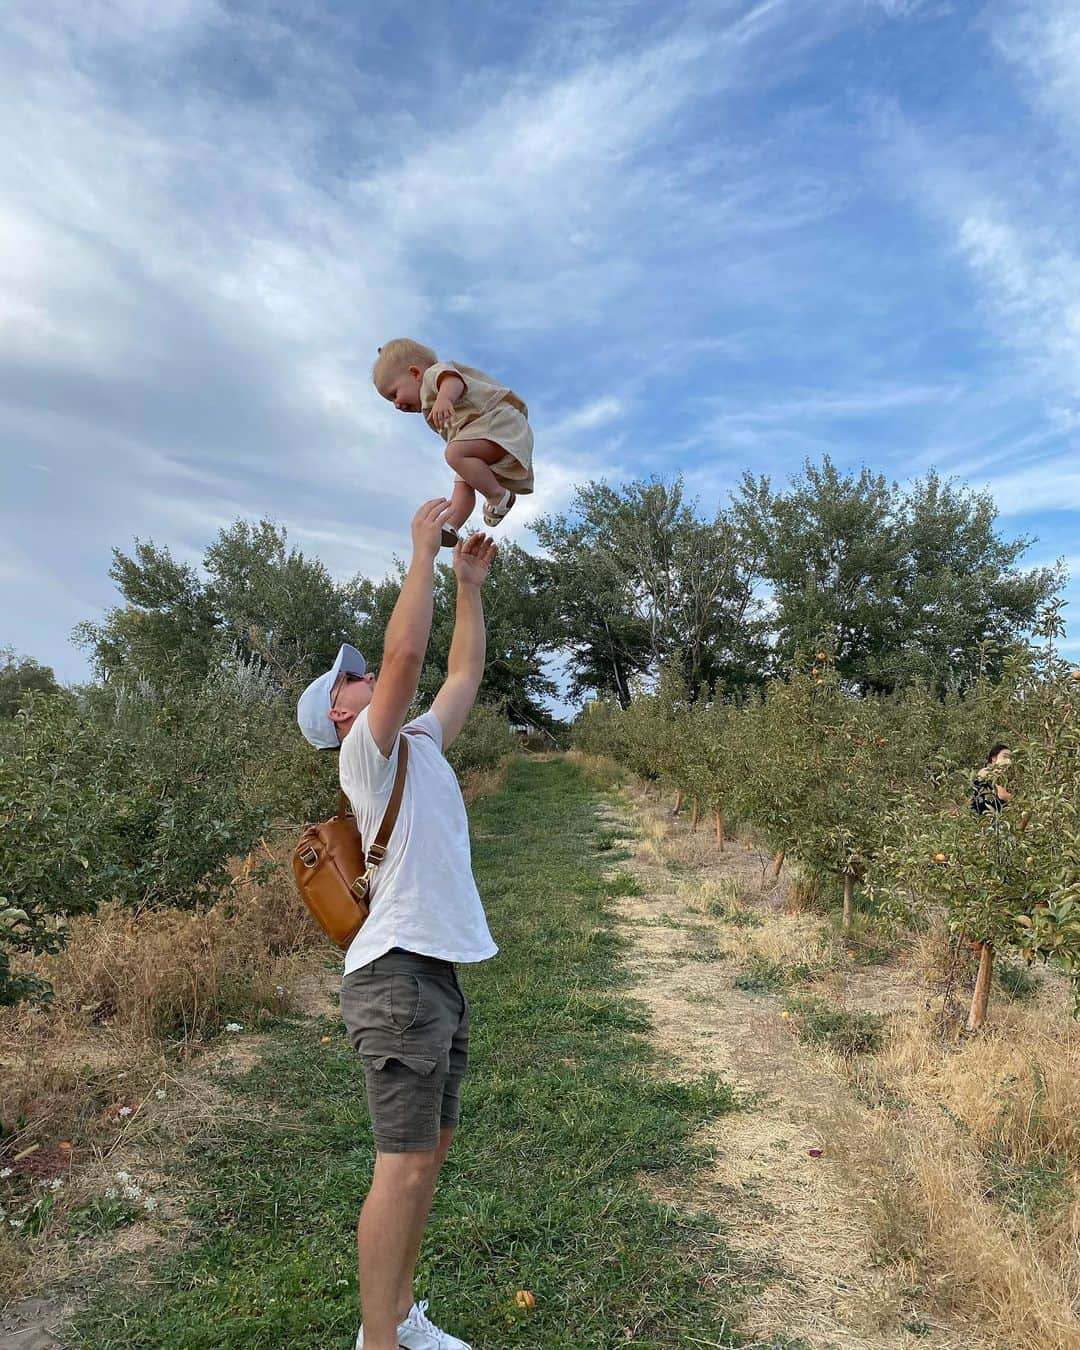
{"points": [[702, 238]]}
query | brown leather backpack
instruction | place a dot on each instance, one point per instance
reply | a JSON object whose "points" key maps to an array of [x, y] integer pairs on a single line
{"points": [[332, 873]]}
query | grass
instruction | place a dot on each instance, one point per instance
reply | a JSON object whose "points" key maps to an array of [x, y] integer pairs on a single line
{"points": [[1016, 981], [762, 976], [562, 1115], [736, 915], [1035, 1189], [846, 1033]]}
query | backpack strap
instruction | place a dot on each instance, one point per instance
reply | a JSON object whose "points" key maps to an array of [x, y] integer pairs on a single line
{"points": [[377, 852]]}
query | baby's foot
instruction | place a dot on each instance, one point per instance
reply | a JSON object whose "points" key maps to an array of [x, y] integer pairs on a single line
{"points": [[495, 510]]}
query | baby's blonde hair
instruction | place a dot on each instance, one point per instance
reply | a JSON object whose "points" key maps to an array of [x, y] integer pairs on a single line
{"points": [[399, 354]]}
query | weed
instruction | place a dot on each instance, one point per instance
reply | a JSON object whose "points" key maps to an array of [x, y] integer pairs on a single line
{"points": [[101, 1215], [848, 1033], [623, 883], [1036, 1188], [1016, 980]]}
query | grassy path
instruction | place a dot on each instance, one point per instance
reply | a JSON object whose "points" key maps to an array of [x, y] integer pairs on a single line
{"points": [[563, 1112]]}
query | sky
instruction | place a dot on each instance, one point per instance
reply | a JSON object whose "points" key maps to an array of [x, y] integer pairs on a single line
{"points": [[697, 238]]}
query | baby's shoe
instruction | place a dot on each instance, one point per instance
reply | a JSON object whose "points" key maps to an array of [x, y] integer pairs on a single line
{"points": [[496, 511]]}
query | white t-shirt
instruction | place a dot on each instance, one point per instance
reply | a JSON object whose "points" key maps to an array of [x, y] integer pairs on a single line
{"points": [[423, 897]]}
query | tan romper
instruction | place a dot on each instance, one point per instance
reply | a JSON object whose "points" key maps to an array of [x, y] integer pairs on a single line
{"points": [[486, 411]]}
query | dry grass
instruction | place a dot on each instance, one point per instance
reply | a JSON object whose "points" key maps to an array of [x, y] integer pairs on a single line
{"points": [[600, 771], [133, 995], [482, 782], [966, 1154]]}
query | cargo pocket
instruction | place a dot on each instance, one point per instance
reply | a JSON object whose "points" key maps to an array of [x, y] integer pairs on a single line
{"points": [[404, 1097], [420, 1064]]}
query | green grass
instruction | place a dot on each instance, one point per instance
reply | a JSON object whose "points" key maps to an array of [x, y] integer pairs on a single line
{"points": [[542, 1189], [870, 940], [1037, 1189], [762, 976], [1016, 981], [733, 913], [848, 1033]]}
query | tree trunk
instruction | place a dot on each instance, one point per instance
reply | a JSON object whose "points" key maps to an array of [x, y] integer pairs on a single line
{"points": [[849, 898], [678, 803], [694, 816], [720, 830], [778, 862], [981, 996]]}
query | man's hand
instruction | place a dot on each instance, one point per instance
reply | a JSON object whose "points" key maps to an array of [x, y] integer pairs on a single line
{"points": [[473, 558], [427, 527]]}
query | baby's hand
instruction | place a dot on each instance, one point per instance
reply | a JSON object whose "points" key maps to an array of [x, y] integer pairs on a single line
{"points": [[442, 410]]}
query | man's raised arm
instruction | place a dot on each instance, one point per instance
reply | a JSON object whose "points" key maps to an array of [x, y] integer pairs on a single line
{"points": [[407, 633], [468, 648]]}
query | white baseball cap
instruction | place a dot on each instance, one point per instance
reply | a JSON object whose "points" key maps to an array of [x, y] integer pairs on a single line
{"points": [[313, 709]]}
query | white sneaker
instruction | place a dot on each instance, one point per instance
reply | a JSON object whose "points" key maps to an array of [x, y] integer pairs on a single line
{"points": [[418, 1332]]}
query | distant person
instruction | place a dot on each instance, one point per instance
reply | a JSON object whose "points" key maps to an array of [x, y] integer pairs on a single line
{"points": [[987, 794], [401, 999], [489, 442]]}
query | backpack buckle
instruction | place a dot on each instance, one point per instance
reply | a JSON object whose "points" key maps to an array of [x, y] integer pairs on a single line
{"points": [[308, 856]]}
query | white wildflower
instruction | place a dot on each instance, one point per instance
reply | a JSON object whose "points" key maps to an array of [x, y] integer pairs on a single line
{"points": [[233, 1026], [7, 1172], [124, 1111], [122, 1176], [149, 1203], [56, 1183], [280, 991], [160, 1094], [16, 1223], [132, 1192], [110, 1193]]}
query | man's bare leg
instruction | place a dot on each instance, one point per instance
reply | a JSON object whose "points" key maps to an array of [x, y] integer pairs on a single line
{"points": [[406, 1293], [388, 1237]]}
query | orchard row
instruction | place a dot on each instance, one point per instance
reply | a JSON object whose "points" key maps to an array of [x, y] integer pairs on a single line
{"points": [[877, 792]]}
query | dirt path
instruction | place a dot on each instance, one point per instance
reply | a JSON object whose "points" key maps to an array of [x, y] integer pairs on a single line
{"points": [[790, 1216]]}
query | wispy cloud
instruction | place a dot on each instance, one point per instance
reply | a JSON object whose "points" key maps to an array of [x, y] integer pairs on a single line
{"points": [[679, 234]]}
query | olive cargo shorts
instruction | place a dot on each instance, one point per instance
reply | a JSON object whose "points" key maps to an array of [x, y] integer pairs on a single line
{"points": [[408, 1019]]}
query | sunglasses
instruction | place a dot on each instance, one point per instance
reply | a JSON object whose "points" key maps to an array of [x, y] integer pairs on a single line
{"points": [[348, 678]]}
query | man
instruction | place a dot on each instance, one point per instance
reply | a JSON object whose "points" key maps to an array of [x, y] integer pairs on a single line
{"points": [[400, 998]]}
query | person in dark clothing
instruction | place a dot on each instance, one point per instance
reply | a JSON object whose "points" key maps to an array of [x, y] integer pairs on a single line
{"points": [[986, 793]]}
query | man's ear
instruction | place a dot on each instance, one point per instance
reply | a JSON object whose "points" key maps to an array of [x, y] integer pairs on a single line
{"points": [[341, 715]]}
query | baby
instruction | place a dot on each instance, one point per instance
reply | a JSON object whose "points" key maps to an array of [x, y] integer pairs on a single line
{"points": [[485, 426]]}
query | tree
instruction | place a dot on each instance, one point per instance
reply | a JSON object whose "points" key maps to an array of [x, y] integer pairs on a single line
{"points": [[912, 586], [22, 675], [640, 577], [168, 623], [964, 602], [261, 599]]}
